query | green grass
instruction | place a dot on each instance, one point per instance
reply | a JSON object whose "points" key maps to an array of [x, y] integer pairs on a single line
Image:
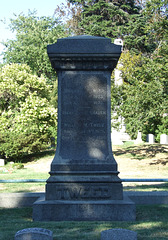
{"points": [[23, 187], [134, 161], [151, 224], [146, 187]]}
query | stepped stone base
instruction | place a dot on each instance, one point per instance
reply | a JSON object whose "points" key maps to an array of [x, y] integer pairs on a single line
{"points": [[107, 210]]}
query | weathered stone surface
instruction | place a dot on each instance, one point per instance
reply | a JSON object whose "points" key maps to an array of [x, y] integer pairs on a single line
{"points": [[105, 210], [84, 191], [84, 44], [83, 172], [34, 234], [118, 234]]}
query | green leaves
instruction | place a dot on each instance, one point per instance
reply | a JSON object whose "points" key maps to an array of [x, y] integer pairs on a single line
{"points": [[17, 82], [33, 34], [144, 94], [27, 120]]}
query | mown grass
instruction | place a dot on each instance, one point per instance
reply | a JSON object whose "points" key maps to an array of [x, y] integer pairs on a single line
{"points": [[134, 161], [143, 161], [151, 223]]}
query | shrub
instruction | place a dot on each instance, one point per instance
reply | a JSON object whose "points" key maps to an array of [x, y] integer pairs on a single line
{"points": [[27, 120]]}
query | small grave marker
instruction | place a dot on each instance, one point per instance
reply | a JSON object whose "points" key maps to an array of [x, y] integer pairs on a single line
{"points": [[150, 138], [2, 162], [34, 234], [163, 139], [118, 234]]}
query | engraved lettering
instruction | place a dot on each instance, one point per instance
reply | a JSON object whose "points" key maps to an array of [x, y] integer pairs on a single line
{"points": [[97, 112], [67, 112], [105, 193], [98, 125], [74, 193], [83, 193], [68, 125]]}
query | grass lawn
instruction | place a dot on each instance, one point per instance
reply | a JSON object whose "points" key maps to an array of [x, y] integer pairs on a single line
{"points": [[151, 223], [134, 161]]}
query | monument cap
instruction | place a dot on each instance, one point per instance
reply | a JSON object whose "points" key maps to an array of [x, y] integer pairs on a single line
{"points": [[84, 44]]}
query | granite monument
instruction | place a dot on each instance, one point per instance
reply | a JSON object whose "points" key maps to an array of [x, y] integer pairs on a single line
{"points": [[84, 182]]}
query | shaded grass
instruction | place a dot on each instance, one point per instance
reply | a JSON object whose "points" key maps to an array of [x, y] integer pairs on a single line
{"points": [[141, 151], [134, 161], [146, 187], [151, 223]]}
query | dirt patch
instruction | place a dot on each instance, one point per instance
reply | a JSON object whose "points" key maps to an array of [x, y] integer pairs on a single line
{"points": [[41, 165], [137, 161]]}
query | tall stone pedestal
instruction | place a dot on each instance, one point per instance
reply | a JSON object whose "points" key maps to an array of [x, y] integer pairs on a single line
{"points": [[84, 182]]}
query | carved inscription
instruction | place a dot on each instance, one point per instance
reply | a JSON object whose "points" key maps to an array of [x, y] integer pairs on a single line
{"points": [[83, 193], [83, 115]]}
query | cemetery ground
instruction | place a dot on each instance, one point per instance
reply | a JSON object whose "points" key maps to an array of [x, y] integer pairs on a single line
{"points": [[134, 161], [151, 224]]}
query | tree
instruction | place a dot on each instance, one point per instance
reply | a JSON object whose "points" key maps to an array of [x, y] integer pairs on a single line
{"points": [[70, 15], [158, 18], [108, 18], [157, 25], [27, 120], [33, 34], [144, 94]]}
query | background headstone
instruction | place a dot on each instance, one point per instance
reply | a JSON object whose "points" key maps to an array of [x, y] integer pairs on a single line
{"points": [[2, 162], [34, 234], [118, 234], [150, 138], [139, 138], [163, 139]]}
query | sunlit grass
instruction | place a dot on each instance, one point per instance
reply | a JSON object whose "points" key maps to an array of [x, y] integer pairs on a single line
{"points": [[134, 161], [151, 223]]}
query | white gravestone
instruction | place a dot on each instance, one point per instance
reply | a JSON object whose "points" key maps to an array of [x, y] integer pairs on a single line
{"points": [[2, 162], [139, 138], [163, 139], [150, 138]]}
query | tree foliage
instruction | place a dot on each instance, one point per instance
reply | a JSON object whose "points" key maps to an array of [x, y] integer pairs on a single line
{"points": [[27, 120], [144, 94], [33, 34], [108, 18]]}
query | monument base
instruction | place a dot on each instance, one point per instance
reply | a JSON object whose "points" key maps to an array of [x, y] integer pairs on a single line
{"points": [[107, 210]]}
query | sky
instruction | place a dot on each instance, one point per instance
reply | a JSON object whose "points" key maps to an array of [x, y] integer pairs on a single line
{"points": [[10, 7]]}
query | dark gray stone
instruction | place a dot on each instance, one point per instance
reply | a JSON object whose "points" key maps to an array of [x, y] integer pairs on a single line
{"points": [[105, 210], [83, 172], [118, 234], [84, 45], [34, 234]]}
